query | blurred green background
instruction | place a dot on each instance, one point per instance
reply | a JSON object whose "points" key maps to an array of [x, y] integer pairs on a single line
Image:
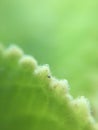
{"points": [[61, 33]]}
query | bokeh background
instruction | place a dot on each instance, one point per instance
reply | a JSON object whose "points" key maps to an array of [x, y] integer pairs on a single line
{"points": [[61, 33]]}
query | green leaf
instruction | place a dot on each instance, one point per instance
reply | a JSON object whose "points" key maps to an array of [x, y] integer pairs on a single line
{"points": [[32, 99]]}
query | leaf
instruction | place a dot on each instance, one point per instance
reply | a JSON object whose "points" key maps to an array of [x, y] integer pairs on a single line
{"points": [[32, 99]]}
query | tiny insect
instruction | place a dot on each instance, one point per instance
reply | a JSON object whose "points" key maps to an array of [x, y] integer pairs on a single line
{"points": [[49, 76]]}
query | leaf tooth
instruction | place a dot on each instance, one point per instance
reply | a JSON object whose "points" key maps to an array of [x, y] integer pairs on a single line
{"points": [[43, 72], [13, 52], [82, 108], [60, 86], [27, 62]]}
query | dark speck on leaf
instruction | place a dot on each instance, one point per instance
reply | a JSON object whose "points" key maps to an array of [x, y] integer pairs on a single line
{"points": [[49, 76]]}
